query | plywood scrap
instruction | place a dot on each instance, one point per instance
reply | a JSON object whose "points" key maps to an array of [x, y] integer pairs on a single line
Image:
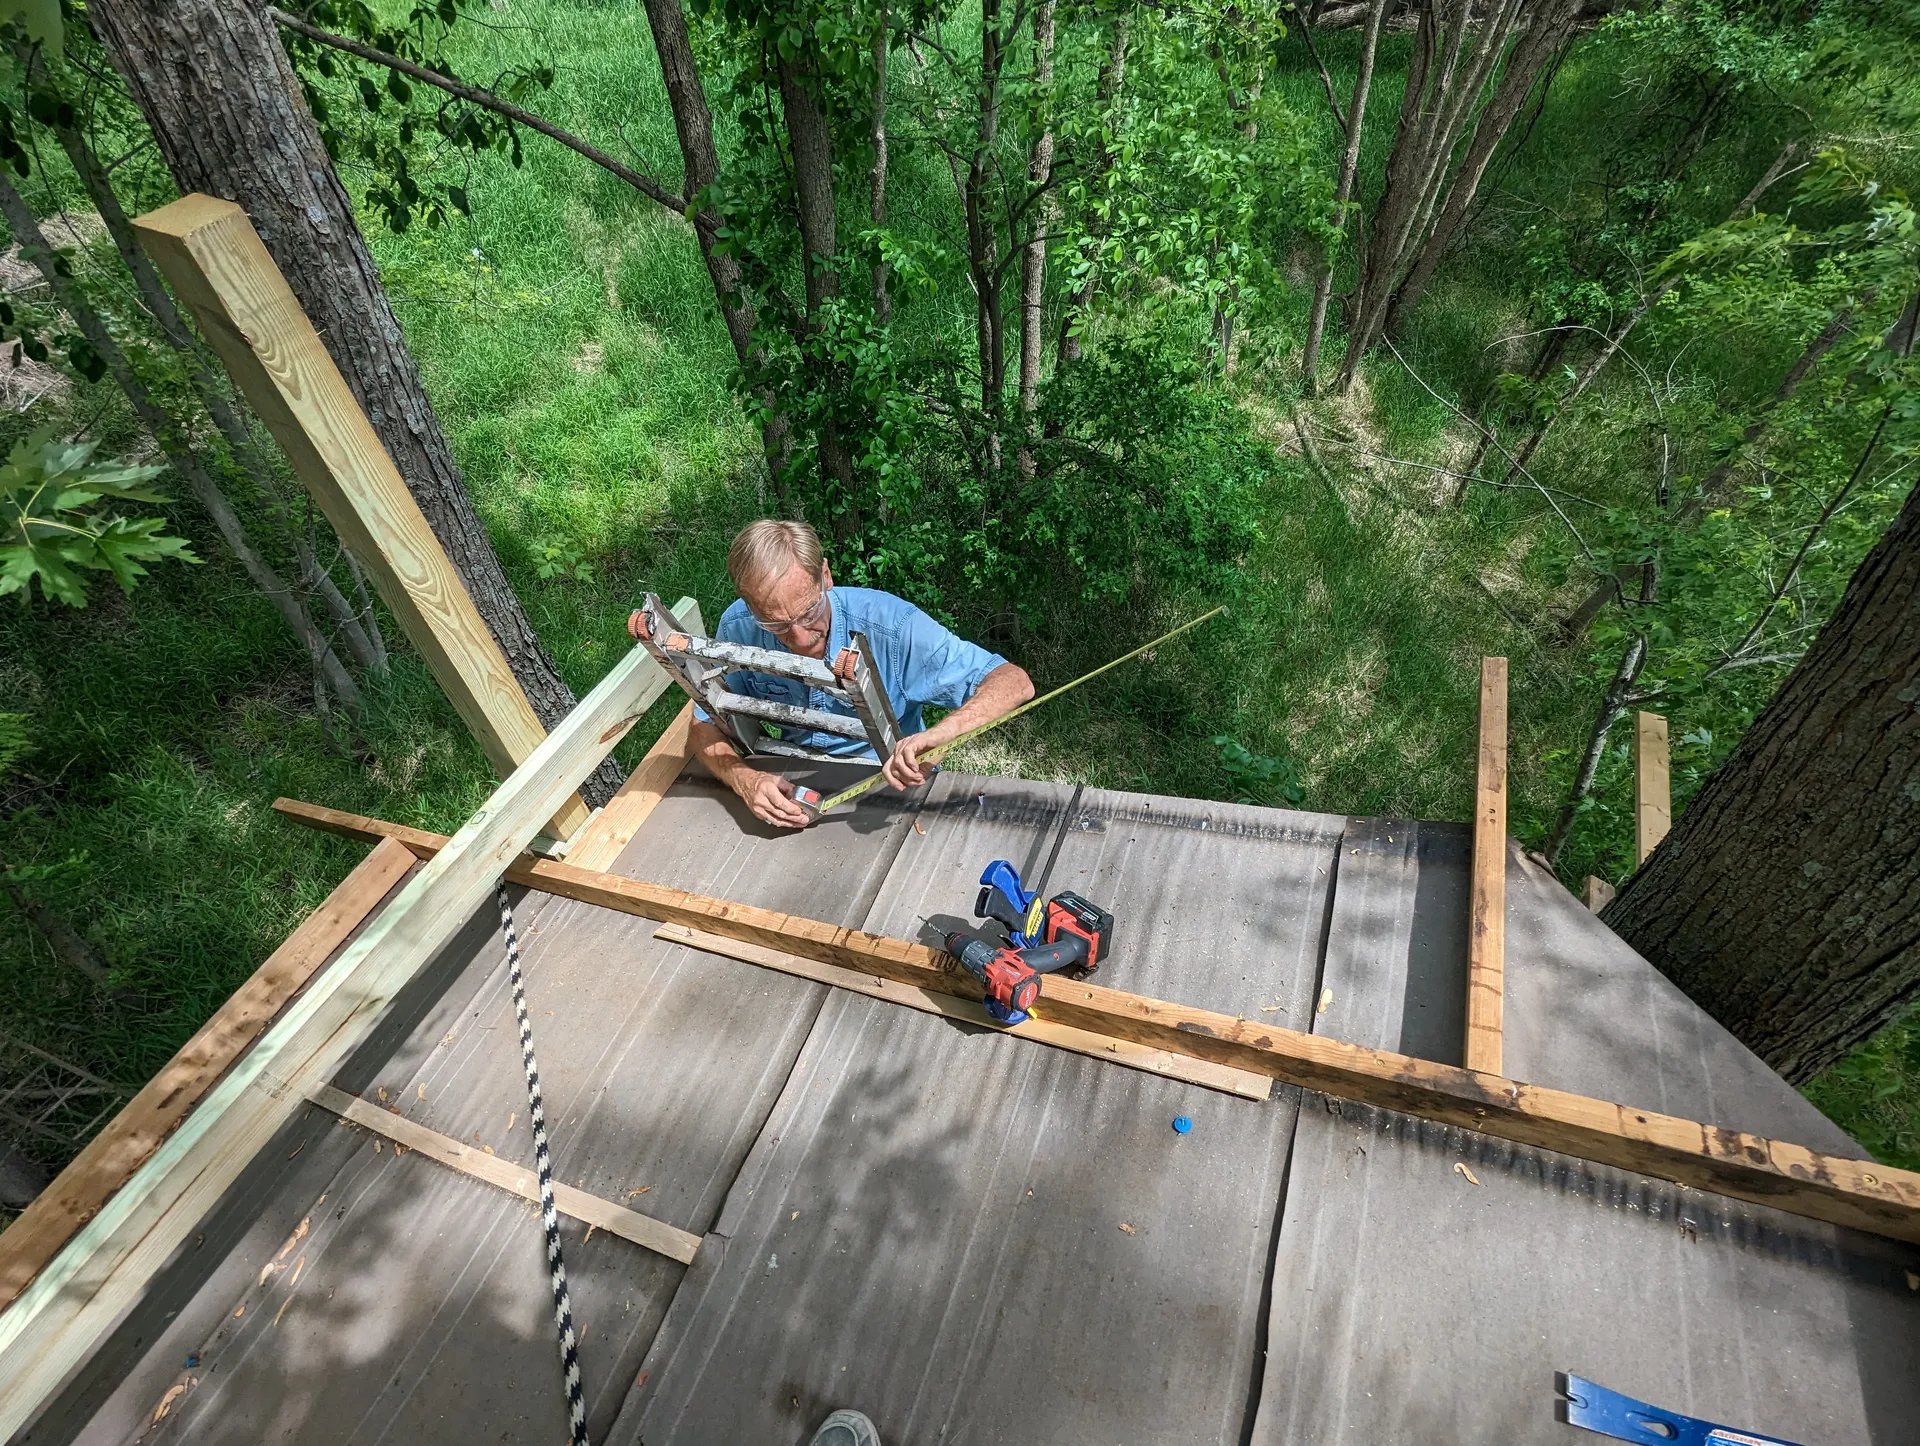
{"points": [[589, 1209]]}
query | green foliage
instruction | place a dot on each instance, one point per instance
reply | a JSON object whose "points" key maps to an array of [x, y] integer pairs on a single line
{"points": [[568, 336], [1875, 1092], [57, 520], [39, 21], [557, 560], [1257, 777], [1149, 482], [371, 116]]}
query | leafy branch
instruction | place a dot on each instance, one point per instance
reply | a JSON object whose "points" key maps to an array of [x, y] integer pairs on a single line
{"points": [[57, 520]]}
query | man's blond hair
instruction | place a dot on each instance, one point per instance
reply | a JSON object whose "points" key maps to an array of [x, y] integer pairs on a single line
{"points": [[767, 548]]}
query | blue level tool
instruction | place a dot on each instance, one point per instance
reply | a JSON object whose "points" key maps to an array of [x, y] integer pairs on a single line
{"points": [[1595, 1408]]}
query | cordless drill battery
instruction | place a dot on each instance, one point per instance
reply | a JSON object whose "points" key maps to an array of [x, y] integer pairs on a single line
{"points": [[1068, 913]]}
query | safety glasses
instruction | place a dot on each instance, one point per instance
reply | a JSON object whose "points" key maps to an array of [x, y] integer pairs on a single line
{"points": [[794, 624]]}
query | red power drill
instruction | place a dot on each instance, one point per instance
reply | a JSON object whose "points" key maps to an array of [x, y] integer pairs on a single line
{"points": [[1066, 932]]}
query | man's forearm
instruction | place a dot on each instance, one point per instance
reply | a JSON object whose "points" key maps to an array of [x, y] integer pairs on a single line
{"points": [[714, 750], [999, 693]]}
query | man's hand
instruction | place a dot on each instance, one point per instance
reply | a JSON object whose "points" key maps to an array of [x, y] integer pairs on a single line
{"points": [[770, 797], [903, 769], [636, 624]]}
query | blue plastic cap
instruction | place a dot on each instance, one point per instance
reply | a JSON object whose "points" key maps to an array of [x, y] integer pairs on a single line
{"points": [[1181, 1124]]}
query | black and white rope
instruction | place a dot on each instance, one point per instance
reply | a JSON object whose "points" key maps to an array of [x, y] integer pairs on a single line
{"points": [[543, 1164]]}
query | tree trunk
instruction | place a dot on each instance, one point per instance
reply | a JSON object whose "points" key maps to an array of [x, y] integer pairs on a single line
{"points": [[1113, 75], [1445, 82], [1786, 900], [292, 609], [1343, 193], [812, 145], [877, 187], [215, 87], [983, 251], [358, 628], [1033, 262], [1547, 31], [700, 163]]}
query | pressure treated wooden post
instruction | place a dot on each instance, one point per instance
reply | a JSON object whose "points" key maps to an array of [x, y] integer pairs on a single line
{"points": [[221, 270], [1652, 785], [1487, 935]]}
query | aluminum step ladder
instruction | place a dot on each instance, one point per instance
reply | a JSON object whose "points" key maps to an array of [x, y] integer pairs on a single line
{"points": [[700, 665]]}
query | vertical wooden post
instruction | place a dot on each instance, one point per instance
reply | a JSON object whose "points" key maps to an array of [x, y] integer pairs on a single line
{"points": [[1652, 785], [1487, 936], [1596, 893], [219, 268]]}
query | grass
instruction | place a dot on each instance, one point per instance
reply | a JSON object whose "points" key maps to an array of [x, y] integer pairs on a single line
{"points": [[567, 335]]}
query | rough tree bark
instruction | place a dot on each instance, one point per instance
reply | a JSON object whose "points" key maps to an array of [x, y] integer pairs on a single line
{"points": [[1107, 89], [1342, 194], [1786, 900], [291, 607], [227, 114], [812, 145], [1033, 261], [700, 161]]}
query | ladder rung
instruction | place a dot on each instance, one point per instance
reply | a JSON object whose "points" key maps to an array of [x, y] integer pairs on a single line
{"points": [[786, 714], [730, 656]]}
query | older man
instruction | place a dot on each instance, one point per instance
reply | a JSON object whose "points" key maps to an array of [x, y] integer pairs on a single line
{"points": [[788, 602]]}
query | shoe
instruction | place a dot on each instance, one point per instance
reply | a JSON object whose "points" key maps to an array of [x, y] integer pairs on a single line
{"points": [[846, 1428]]}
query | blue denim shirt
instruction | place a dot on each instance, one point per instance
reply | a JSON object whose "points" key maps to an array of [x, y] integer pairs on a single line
{"points": [[918, 662]]}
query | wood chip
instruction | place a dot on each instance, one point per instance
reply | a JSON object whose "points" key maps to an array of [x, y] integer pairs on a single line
{"points": [[1913, 1281], [420, 1090], [641, 1191], [1460, 1168], [174, 1393], [381, 1090], [487, 1148], [1326, 999], [1126, 1229], [919, 830]]}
